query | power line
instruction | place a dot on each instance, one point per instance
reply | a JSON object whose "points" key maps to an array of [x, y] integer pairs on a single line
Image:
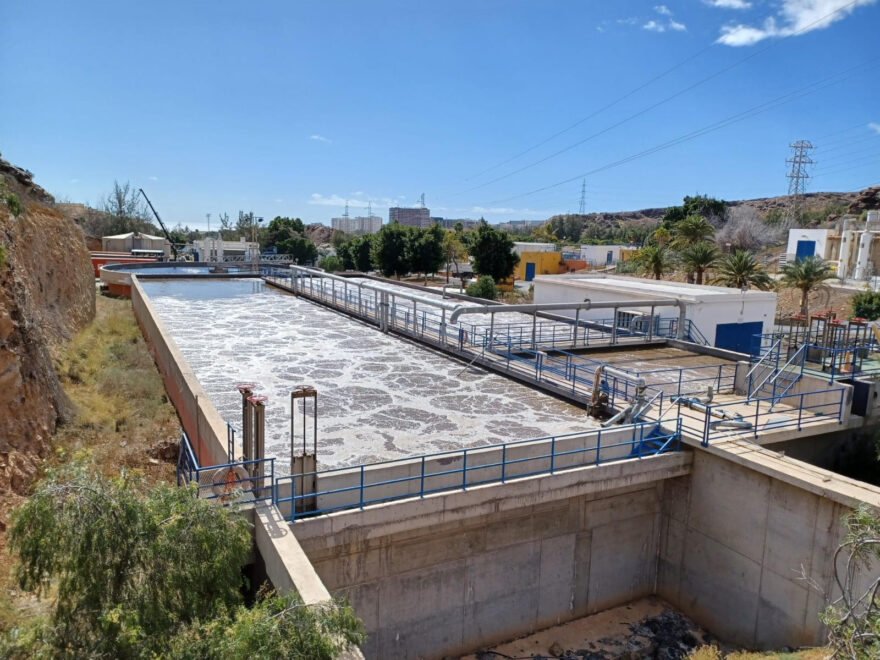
{"points": [[658, 103], [745, 114]]}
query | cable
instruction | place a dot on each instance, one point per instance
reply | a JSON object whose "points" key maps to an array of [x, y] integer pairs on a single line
{"points": [[763, 107], [657, 104]]}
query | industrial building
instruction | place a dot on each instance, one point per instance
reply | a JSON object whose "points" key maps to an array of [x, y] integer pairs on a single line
{"points": [[358, 225], [215, 249], [719, 316], [597, 256], [853, 247], [419, 216], [137, 243]]}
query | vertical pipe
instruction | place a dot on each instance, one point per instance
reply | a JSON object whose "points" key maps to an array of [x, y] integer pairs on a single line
{"points": [[651, 325], [614, 327], [577, 321]]}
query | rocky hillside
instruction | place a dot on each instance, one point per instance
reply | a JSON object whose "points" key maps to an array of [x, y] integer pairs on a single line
{"points": [[47, 293]]}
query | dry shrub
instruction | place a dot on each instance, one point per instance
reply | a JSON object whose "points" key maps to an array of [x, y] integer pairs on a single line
{"points": [[744, 230]]}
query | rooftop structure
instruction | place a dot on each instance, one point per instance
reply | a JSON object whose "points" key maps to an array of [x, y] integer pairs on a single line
{"points": [[215, 249], [523, 246], [137, 242]]}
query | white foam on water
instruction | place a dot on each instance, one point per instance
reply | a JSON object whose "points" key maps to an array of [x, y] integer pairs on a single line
{"points": [[380, 397]]}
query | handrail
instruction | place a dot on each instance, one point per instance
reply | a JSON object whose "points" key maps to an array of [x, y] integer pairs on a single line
{"points": [[763, 357], [783, 367]]}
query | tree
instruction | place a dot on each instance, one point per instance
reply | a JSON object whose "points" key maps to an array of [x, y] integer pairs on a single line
{"points": [[128, 212], [853, 618], [661, 236], [741, 270], [301, 249], [866, 305], [453, 250], [484, 287], [389, 250], [691, 230], [129, 568], [330, 264], [699, 257], [493, 253], [653, 260], [424, 250], [805, 274], [282, 228], [360, 251]]}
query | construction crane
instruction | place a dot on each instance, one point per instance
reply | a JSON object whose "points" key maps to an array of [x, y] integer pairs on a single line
{"points": [[161, 224]]}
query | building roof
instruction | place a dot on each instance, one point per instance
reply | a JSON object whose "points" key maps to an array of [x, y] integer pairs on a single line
{"points": [[653, 288], [138, 234]]}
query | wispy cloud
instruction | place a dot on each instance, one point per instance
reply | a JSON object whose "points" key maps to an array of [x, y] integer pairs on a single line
{"points": [[153, 178], [320, 138], [874, 126], [662, 25], [794, 17], [729, 4], [317, 199], [504, 210]]}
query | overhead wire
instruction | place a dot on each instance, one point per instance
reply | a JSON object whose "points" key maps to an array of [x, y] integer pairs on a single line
{"points": [[657, 104], [762, 107]]}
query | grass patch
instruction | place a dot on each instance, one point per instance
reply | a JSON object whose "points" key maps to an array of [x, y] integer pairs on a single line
{"points": [[713, 653]]}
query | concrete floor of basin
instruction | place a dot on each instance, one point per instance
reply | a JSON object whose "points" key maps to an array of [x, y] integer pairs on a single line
{"points": [[609, 634], [648, 358]]}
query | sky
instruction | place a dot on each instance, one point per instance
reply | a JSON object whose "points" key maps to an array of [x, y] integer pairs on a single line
{"points": [[492, 108]]}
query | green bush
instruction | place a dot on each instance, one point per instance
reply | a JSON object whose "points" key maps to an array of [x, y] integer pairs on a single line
{"points": [[866, 305], [483, 288], [330, 264], [14, 204]]}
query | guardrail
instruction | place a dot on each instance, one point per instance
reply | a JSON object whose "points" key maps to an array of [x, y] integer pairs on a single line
{"points": [[250, 481], [752, 416], [388, 481]]}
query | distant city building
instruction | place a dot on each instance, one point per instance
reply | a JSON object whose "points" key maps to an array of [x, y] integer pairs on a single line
{"points": [[215, 249], [357, 225], [412, 217], [449, 223], [521, 226]]}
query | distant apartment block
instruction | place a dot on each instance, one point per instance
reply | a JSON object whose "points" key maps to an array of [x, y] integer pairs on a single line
{"points": [[449, 223], [521, 226], [357, 225], [413, 217]]}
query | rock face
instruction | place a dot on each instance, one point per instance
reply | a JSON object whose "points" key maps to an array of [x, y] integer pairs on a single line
{"points": [[47, 293], [868, 200]]}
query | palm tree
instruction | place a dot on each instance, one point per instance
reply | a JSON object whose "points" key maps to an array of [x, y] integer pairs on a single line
{"points": [[661, 236], [699, 257], [653, 260], [805, 274], [691, 230], [741, 270]]}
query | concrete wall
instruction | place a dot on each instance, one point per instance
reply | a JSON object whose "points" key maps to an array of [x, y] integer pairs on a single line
{"points": [[820, 236], [201, 421], [734, 540], [450, 573]]}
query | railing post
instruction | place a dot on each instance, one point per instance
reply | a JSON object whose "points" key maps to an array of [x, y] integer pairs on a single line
{"points": [[598, 446], [362, 486], [757, 413], [800, 411], [706, 421], [503, 462], [422, 481], [552, 453], [464, 471]]}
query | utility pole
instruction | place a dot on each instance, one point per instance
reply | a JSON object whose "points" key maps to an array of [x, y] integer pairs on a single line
{"points": [[582, 208], [797, 175]]}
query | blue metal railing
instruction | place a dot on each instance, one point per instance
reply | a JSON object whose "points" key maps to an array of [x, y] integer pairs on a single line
{"points": [[355, 488], [233, 481]]}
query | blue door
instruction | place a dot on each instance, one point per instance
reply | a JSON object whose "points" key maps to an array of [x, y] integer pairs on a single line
{"points": [[805, 249], [737, 336], [609, 258], [530, 271]]}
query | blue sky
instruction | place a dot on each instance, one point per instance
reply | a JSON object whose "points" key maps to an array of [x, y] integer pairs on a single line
{"points": [[290, 108]]}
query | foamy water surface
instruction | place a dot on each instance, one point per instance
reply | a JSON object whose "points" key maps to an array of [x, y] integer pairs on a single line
{"points": [[380, 397]]}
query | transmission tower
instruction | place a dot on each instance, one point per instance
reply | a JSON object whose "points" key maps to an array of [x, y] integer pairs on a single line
{"points": [[345, 213], [369, 209], [582, 209], [422, 201], [797, 176]]}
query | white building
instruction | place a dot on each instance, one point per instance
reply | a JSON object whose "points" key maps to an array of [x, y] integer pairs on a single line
{"points": [[215, 249], [137, 243], [521, 246], [597, 255], [853, 247], [358, 225], [726, 318]]}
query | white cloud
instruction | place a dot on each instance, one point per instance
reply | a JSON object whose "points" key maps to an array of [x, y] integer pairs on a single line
{"points": [[654, 26], [874, 126], [729, 4], [794, 17], [663, 10], [627, 21], [320, 138], [677, 27], [153, 178]]}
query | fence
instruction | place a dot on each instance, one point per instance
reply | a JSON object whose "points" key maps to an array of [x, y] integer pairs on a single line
{"points": [[250, 481], [387, 481]]}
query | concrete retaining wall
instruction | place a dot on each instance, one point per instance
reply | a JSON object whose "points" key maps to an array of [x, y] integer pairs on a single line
{"points": [[200, 419], [453, 572], [734, 540]]}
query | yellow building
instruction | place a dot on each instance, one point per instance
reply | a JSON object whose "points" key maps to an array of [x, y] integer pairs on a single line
{"points": [[537, 263]]}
